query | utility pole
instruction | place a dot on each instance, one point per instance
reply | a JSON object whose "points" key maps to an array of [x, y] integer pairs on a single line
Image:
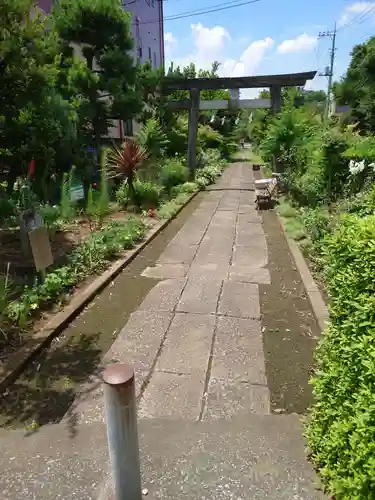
{"points": [[329, 70]]}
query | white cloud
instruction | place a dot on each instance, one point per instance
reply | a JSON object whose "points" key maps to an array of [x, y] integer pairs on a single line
{"points": [[210, 45], [209, 41], [354, 10], [170, 43], [169, 39], [249, 60], [302, 43]]}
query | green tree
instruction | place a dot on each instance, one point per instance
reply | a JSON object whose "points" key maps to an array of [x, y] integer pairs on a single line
{"points": [[104, 83], [357, 87], [34, 119]]}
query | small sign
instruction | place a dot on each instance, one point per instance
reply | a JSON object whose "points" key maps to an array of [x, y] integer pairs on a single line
{"points": [[41, 248], [77, 192]]}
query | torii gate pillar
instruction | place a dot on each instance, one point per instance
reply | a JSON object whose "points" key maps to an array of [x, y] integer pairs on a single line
{"points": [[275, 98], [193, 130]]}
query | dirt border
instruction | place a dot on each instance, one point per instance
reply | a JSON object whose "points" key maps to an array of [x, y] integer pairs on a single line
{"points": [[19, 359], [316, 299]]}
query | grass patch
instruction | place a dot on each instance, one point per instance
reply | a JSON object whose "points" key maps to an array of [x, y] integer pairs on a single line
{"points": [[294, 227], [286, 210]]}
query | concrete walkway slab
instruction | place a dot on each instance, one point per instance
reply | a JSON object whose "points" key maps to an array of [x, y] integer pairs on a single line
{"points": [[228, 399], [164, 296], [238, 351], [240, 300], [200, 296], [260, 276], [171, 395], [166, 271], [188, 345], [140, 340]]}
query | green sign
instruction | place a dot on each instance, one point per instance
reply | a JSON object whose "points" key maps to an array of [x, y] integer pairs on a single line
{"points": [[77, 192]]}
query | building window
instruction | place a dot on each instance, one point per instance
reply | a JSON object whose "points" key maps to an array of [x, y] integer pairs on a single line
{"points": [[154, 59], [140, 53], [149, 55], [128, 128]]}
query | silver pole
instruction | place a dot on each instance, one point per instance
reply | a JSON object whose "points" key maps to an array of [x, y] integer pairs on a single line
{"points": [[121, 418]]}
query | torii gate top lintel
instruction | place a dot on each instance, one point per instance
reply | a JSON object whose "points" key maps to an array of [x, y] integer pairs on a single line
{"points": [[244, 82]]}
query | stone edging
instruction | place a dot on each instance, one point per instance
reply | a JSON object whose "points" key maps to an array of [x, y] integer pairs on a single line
{"points": [[19, 359], [317, 302]]}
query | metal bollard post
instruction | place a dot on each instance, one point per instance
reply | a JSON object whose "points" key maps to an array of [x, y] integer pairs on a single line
{"points": [[121, 418]]}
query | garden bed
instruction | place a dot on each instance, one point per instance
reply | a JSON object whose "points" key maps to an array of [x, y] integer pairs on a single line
{"points": [[81, 254], [63, 242]]}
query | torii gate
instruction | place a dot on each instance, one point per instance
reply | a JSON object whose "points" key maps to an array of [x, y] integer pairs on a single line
{"points": [[194, 104]]}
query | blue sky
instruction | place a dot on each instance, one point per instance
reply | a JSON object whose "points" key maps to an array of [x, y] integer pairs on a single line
{"points": [[270, 36]]}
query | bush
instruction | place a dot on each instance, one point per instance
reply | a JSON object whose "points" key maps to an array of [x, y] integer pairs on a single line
{"points": [[208, 138], [152, 139], [334, 165], [51, 217], [168, 210], [147, 194], [187, 188], [122, 195], [177, 136], [7, 208], [209, 156], [362, 203], [228, 148], [210, 173], [341, 433], [318, 223], [173, 173]]}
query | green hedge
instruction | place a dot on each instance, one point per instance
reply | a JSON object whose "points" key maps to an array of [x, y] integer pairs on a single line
{"points": [[341, 433]]}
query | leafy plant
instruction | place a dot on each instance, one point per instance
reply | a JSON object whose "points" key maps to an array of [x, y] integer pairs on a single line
{"points": [[122, 196], [67, 208], [51, 217], [123, 164], [152, 139], [173, 173], [7, 208], [5, 292], [92, 256], [208, 138], [148, 194]]}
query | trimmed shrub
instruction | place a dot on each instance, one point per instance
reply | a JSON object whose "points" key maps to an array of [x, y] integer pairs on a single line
{"points": [[341, 433]]}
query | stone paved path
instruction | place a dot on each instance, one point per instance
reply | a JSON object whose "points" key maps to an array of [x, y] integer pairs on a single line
{"points": [[211, 364], [196, 343], [196, 340]]}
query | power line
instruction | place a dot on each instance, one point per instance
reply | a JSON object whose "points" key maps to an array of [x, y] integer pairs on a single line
{"points": [[207, 10], [359, 18]]}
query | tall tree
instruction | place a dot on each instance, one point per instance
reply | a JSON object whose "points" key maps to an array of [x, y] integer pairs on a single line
{"points": [[105, 81], [357, 87], [34, 119]]}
